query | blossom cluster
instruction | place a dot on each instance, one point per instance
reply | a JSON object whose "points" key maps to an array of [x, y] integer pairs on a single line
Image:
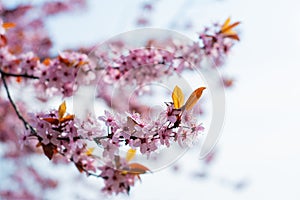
{"points": [[64, 136], [218, 40], [149, 135], [117, 180], [65, 73], [163, 58], [58, 75], [58, 134], [141, 65]]}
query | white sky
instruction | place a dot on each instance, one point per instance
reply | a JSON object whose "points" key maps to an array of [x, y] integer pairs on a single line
{"points": [[260, 140]]}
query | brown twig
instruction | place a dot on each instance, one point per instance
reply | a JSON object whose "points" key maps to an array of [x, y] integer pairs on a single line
{"points": [[26, 124], [3, 73]]}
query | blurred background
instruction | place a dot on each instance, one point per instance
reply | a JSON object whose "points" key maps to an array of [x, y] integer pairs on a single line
{"points": [[257, 156]]}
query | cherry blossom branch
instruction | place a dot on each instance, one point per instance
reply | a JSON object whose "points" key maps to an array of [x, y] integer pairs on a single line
{"points": [[18, 75], [26, 124], [59, 133]]}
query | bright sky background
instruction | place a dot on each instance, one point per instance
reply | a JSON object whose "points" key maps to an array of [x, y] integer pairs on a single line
{"points": [[260, 140]]}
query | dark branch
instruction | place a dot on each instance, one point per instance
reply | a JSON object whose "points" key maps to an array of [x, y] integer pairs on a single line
{"points": [[18, 75], [26, 124], [91, 174]]}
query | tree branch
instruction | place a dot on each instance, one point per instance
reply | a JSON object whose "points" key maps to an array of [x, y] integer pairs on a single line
{"points": [[26, 124], [18, 75]]}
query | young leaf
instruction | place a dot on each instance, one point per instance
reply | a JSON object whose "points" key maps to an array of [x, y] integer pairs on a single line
{"points": [[8, 25], [3, 41], [79, 166], [136, 168], [49, 150], [130, 154], [62, 110], [51, 120], [47, 61], [178, 97], [194, 97], [18, 79], [67, 118], [89, 151], [226, 24], [227, 29], [64, 60]]}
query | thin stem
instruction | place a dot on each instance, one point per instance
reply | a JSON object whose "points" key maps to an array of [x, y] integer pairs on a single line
{"points": [[18, 75], [26, 124], [68, 139], [91, 174], [86, 171], [98, 139], [186, 127]]}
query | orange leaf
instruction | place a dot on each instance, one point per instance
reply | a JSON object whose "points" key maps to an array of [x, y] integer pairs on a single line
{"points": [[51, 120], [79, 166], [82, 63], [226, 23], [49, 150], [178, 97], [136, 168], [62, 110], [195, 96], [8, 25], [47, 61], [64, 60], [67, 118], [18, 79], [38, 144], [3, 41], [130, 154], [89, 151], [227, 29], [234, 36]]}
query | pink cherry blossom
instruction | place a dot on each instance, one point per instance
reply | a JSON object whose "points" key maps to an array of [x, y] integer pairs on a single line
{"points": [[25, 58]]}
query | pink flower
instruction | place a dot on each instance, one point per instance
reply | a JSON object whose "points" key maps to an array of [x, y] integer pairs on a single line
{"points": [[65, 73], [148, 146], [8, 61], [109, 120], [29, 64], [110, 149], [164, 136], [89, 128], [115, 181]]}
